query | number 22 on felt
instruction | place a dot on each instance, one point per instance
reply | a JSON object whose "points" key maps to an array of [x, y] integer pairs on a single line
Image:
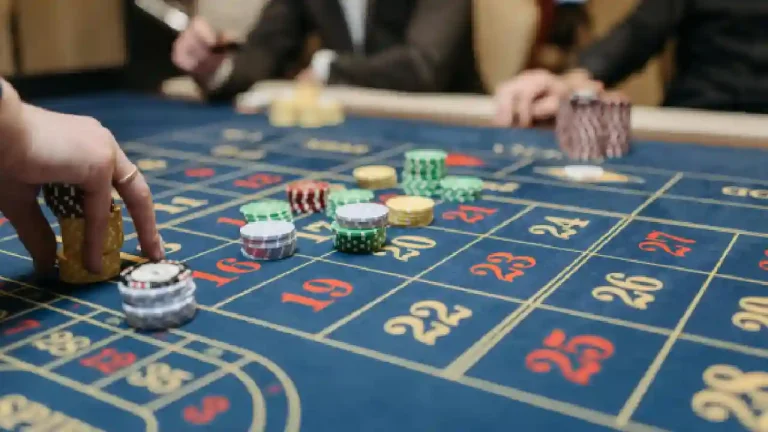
{"points": [[417, 321]]}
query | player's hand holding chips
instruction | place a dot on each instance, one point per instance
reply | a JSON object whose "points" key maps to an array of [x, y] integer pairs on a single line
{"points": [[194, 53], [39, 147], [535, 95]]}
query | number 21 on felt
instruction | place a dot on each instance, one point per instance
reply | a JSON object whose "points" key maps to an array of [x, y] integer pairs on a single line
{"points": [[420, 312]]}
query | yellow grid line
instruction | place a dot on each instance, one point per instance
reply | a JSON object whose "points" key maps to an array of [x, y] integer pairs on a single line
{"points": [[90, 348], [470, 357], [331, 328], [136, 366], [642, 387]]}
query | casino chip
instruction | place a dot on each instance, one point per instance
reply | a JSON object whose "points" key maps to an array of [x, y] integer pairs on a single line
{"points": [[375, 177], [266, 210], [410, 211], [343, 197], [422, 172], [308, 196], [268, 240], [358, 241], [616, 119], [158, 295], [362, 216], [66, 200], [461, 188]]}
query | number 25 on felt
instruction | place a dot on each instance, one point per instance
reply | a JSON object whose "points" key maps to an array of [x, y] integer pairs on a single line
{"points": [[589, 351], [420, 312]]}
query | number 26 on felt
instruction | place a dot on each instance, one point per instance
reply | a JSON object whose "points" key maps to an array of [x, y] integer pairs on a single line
{"points": [[420, 312]]}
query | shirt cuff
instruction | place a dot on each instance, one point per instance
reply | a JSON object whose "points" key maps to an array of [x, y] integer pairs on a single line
{"points": [[321, 64], [221, 75]]}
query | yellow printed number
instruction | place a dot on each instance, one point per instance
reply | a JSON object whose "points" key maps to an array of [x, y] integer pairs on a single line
{"points": [[315, 230], [19, 413], [561, 228], [160, 378], [753, 315], [417, 321], [731, 392], [634, 291], [179, 204], [507, 187], [404, 248], [62, 344]]}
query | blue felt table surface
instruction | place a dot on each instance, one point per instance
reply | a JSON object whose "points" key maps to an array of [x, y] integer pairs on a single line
{"points": [[635, 301]]}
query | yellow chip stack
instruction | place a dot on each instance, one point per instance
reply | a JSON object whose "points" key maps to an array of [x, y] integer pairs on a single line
{"points": [[71, 269], [375, 177], [305, 108], [410, 211]]}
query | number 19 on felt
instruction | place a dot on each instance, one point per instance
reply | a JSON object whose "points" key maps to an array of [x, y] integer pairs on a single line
{"points": [[325, 291]]}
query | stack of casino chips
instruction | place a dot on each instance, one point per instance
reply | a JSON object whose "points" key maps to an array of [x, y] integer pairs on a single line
{"points": [[268, 240], [461, 188], [375, 177], [592, 127], [67, 204], [411, 211], [266, 210], [158, 295], [422, 172], [343, 197], [360, 228], [308, 196]]}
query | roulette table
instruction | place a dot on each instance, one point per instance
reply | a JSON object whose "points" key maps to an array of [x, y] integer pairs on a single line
{"points": [[629, 295]]}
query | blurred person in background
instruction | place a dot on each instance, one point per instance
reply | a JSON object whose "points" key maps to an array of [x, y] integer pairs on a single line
{"points": [[405, 45], [720, 60]]}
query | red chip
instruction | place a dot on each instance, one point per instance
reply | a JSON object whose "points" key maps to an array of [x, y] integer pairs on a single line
{"points": [[308, 186]]}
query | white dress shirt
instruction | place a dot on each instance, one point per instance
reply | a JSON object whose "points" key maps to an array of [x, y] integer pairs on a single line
{"points": [[355, 13]]}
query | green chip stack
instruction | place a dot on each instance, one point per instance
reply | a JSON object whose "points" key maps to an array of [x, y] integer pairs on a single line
{"points": [[358, 241], [461, 188], [267, 210], [423, 171], [342, 197]]}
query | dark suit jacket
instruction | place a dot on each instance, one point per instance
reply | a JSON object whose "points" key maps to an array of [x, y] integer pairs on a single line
{"points": [[721, 60], [410, 45]]}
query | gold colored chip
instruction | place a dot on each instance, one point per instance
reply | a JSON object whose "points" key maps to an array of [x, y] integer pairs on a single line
{"points": [[72, 271], [410, 204], [73, 233]]}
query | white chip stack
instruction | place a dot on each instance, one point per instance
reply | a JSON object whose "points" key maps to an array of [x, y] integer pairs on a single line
{"points": [[268, 240]]}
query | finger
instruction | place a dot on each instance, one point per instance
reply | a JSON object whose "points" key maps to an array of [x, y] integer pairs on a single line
{"points": [[138, 200], [203, 32], [525, 103], [503, 100], [545, 107], [97, 202], [26, 217]]}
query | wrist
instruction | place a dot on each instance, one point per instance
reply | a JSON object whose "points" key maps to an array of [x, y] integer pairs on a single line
{"points": [[11, 127]]}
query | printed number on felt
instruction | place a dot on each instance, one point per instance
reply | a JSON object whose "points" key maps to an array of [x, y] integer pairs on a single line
{"points": [[753, 315], [404, 248], [561, 228], [62, 344], [179, 204], [634, 291], [668, 243], [328, 290], [733, 393], [509, 269], [314, 230], [469, 214], [160, 378], [427, 332], [588, 350]]}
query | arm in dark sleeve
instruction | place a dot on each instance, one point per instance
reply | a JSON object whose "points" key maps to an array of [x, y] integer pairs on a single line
{"points": [[276, 41], [436, 34], [629, 46]]}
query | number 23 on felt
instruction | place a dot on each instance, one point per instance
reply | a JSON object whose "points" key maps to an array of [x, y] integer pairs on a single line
{"points": [[420, 312], [510, 267]]}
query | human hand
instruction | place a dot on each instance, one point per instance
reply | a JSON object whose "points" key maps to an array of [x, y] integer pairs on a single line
{"points": [[40, 146], [535, 95], [307, 76], [193, 50]]}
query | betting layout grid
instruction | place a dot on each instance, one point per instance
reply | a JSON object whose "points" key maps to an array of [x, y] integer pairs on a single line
{"points": [[481, 224]]}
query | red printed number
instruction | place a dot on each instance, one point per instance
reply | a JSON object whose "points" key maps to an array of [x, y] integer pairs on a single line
{"points": [[109, 360], [230, 221], [469, 214], [212, 406], [333, 288], [258, 180], [764, 263], [3, 221], [589, 350], [227, 265], [199, 172], [658, 240], [22, 326], [515, 264]]}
